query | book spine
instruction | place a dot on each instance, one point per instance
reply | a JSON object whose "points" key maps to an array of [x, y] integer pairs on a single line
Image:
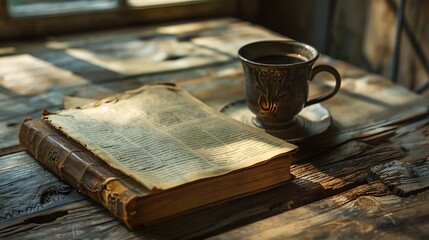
{"points": [[76, 166]]}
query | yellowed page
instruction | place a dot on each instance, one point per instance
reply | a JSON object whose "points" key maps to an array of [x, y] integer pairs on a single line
{"points": [[163, 137]]}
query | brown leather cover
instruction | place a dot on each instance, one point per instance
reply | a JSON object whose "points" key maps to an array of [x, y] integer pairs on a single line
{"points": [[83, 170]]}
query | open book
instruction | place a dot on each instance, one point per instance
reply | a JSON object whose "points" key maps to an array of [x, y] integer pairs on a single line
{"points": [[155, 152]]}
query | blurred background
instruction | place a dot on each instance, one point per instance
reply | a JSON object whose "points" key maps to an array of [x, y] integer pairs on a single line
{"points": [[387, 37]]}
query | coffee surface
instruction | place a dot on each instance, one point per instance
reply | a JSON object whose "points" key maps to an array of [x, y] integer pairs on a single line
{"points": [[280, 59]]}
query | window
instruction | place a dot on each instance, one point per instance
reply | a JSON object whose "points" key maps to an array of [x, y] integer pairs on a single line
{"points": [[29, 8], [149, 3], [23, 19], [25, 8]]}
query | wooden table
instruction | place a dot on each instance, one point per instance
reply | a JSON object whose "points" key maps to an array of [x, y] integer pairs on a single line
{"points": [[366, 177]]}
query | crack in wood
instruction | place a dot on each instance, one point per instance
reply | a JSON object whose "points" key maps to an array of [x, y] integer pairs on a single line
{"points": [[45, 218]]}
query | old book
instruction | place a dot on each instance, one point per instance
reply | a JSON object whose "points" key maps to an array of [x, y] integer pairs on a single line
{"points": [[156, 152]]}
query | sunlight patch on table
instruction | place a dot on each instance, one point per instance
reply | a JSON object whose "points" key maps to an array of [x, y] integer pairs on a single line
{"points": [[140, 57], [28, 75]]}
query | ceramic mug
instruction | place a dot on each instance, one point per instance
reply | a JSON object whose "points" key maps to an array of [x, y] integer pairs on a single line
{"points": [[277, 74]]}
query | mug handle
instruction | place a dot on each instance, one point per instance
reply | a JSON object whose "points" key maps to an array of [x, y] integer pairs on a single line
{"points": [[331, 70]]}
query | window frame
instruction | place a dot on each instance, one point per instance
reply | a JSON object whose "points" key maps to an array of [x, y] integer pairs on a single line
{"points": [[66, 9], [14, 28]]}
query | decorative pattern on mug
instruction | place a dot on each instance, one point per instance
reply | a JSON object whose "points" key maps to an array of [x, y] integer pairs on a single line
{"points": [[272, 85]]}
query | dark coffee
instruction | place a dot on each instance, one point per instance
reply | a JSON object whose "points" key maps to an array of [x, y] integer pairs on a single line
{"points": [[280, 59]]}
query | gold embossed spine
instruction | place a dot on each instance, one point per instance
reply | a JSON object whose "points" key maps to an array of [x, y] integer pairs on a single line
{"points": [[74, 165]]}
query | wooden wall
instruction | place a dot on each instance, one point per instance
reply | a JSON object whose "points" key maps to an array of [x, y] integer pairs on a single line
{"points": [[378, 43], [364, 34], [361, 32], [304, 20]]}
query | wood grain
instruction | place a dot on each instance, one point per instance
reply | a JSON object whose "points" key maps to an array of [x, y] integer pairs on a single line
{"points": [[365, 212], [19, 199], [14, 109], [315, 179], [410, 174]]}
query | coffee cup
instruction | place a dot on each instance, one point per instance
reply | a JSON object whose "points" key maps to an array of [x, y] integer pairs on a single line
{"points": [[277, 74]]}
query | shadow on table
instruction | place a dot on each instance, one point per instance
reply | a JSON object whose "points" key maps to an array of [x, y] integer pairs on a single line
{"points": [[237, 212]]}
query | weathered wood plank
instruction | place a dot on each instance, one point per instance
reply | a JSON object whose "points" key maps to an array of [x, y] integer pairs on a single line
{"points": [[410, 174], [357, 212], [314, 179], [41, 78], [382, 127], [404, 180], [205, 83], [124, 33], [366, 212], [27, 188], [154, 50]]}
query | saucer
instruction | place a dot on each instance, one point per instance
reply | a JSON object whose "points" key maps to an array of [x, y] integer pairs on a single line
{"points": [[311, 121]]}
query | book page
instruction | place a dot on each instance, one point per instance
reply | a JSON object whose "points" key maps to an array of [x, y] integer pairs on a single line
{"points": [[163, 137]]}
